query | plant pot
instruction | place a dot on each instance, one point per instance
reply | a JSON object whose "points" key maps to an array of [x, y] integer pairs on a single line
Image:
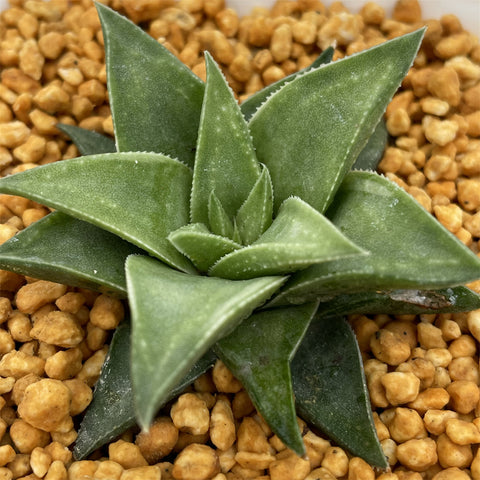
{"points": [[426, 339]]}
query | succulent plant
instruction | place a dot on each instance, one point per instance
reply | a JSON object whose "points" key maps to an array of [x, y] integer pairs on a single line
{"points": [[240, 232]]}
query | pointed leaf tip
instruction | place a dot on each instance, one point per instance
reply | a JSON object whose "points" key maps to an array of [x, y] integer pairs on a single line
{"points": [[166, 120], [170, 332], [285, 129], [142, 211], [258, 353], [225, 160]]}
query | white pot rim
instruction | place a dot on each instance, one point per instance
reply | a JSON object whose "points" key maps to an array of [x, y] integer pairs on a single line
{"points": [[468, 11]]}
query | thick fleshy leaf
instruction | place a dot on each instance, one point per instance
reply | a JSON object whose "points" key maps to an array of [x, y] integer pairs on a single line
{"points": [[310, 132], [201, 246], [401, 302], [410, 248], [87, 141], [63, 249], [112, 409], [331, 391], [255, 215], [225, 161], [171, 332], [218, 220], [258, 353], [372, 153], [155, 99], [253, 102], [143, 210], [298, 237]]}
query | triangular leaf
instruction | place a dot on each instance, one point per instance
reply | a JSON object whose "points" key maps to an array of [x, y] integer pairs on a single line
{"points": [[403, 302], [63, 249], [155, 99], [253, 102], [225, 161], [331, 391], [87, 141], [201, 246], [258, 353], [112, 409], [171, 332], [143, 210], [310, 132], [255, 215], [409, 248], [218, 219], [297, 238]]}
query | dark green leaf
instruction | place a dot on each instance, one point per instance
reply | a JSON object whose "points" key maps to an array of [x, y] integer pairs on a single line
{"points": [[171, 332], [252, 103], [400, 302], [258, 353], [87, 141], [225, 162], [409, 248], [140, 197], [155, 99], [63, 249], [297, 238], [110, 412], [201, 246], [331, 391], [255, 215], [310, 132], [112, 409], [371, 155]]}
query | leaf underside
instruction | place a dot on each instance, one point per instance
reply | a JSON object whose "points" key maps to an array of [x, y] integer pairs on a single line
{"points": [[63, 249], [403, 302], [170, 332], [258, 352], [330, 388], [87, 141], [112, 409]]}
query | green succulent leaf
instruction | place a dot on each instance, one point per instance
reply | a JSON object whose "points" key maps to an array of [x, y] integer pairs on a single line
{"points": [[225, 161], [298, 237], [312, 166], [255, 215], [403, 302], [372, 153], [331, 391], [201, 246], [63, 249], [112, 409], [87, 141], [218, 219], [378, 216], [253, 102], [258, 352], [155, 99], [170, 332], [141, 197]]}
